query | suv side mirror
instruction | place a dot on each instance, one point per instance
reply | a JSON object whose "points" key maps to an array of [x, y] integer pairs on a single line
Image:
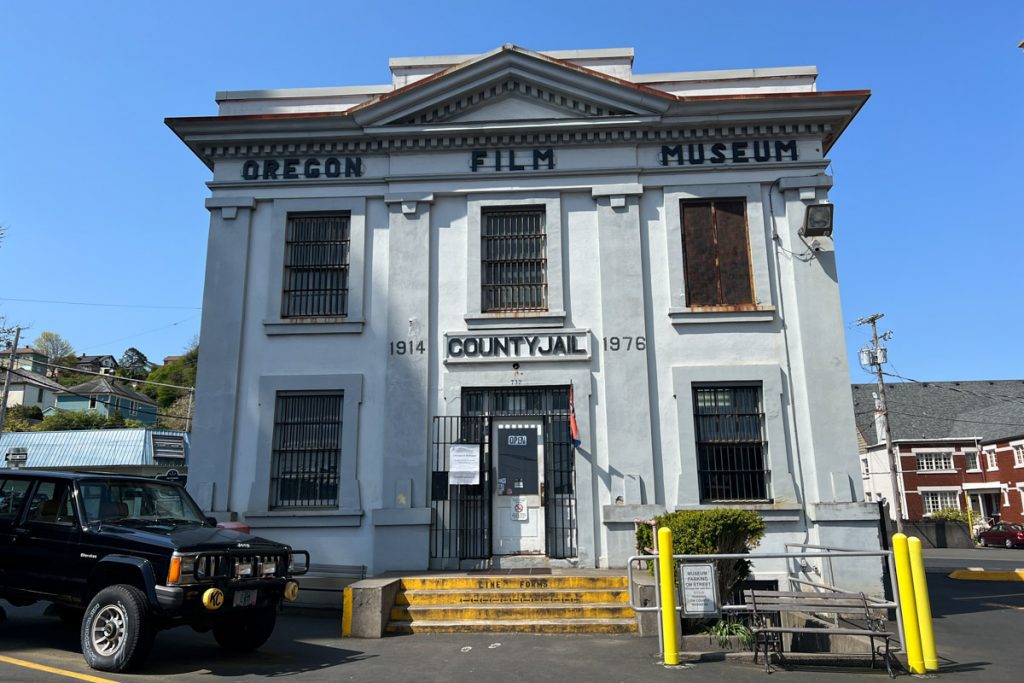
{"points": [[212, 521]]}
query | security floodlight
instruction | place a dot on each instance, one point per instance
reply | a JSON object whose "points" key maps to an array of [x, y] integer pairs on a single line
{"points": [[818, 221]]}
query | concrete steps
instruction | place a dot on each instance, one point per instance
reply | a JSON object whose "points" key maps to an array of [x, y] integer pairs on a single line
{"points": [[513, 604]]}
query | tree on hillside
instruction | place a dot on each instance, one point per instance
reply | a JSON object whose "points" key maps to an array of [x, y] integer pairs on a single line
{"points": [[134, 364], [59, 349], [181, 372]]}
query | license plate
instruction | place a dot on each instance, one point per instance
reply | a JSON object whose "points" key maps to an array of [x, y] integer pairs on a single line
{"points": [[244, 598]]}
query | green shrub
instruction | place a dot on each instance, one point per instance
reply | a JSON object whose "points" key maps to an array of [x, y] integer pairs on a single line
{"points": [[949, 515], [707, 532], [723, 629], [23, 412]]}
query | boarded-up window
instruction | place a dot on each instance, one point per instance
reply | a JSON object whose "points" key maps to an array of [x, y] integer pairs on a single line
{"points": [[513, 268], [716, 252], [316, 259]]}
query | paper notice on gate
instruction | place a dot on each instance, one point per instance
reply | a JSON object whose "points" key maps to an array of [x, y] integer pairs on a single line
{"points": [[464, 464]]}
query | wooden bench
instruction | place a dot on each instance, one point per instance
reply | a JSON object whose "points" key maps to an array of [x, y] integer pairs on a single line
{"points": [[852, 614]]}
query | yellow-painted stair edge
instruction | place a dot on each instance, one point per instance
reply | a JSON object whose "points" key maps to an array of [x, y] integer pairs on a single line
{"points": [[514, 582]]}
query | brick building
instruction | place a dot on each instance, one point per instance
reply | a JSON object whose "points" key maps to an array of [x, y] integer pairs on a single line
{"points": [[958, 442]]}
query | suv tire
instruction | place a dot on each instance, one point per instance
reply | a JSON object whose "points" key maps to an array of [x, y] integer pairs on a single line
{"points": [[117, 632], [245, 630]]}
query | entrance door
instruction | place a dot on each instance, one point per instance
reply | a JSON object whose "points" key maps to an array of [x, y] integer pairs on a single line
{"points": [[518, 480]]}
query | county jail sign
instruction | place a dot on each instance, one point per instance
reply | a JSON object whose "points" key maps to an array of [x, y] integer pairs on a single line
{"points": [[482, 347]]}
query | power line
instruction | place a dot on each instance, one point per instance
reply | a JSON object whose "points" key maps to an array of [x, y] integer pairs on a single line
{"points": [[138, 334], [979, 394], [103, 374], [16, 371], [93, 303], [948, 419], [956, 419]]}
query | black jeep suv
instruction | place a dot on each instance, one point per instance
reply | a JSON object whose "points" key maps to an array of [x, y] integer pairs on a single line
{"points": [[128, 556]]}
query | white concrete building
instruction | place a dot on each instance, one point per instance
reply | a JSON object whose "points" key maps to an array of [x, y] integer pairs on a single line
{"points": [[406, 284], [31, 389]]}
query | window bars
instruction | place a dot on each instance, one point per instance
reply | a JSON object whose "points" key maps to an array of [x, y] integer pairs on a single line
{"points": [[731, 463], [513, 252], [316, 260], [306, 450]]}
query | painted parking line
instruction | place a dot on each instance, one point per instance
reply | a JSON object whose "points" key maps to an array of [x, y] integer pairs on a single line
{"points": [[53, 670], [987, 575], [1000, 605]]}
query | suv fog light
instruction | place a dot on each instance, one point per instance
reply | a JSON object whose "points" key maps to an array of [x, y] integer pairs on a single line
{"points": [[291, 591], [213, 598], [243, 569]]}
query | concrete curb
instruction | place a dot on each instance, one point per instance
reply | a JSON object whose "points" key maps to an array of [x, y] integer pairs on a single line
{"points": [[987, 575]]}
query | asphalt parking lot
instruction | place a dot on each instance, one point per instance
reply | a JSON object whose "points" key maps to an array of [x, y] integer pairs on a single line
{"points": [[977, 626]]}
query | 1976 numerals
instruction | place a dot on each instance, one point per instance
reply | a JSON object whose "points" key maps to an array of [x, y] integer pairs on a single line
{"points": [[625, 343]]}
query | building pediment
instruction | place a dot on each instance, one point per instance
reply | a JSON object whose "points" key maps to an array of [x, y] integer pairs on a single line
{"points": [[510, 84]]}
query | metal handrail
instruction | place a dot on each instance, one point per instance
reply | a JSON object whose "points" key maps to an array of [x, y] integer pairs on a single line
{"points": [[827, 555]]}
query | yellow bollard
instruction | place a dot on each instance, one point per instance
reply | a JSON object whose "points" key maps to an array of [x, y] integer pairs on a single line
{"points": [[908, 606], [923, 604], [669, 619]]}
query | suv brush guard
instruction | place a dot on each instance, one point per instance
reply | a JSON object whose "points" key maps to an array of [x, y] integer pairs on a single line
{"points": [[228, 564]]}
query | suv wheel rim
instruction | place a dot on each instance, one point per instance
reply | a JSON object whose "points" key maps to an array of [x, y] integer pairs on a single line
{"points": [[108, 630]]}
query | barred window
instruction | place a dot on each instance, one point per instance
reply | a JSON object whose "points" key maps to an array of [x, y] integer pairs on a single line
{"points": [[716, 252], [316, 260], [934, 461], [513, 252], [731, 448], [306, 449], [940, 500]]}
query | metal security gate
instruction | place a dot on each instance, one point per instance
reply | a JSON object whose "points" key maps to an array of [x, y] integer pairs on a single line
{"points": [[461, 523], [552, 405], [560, 496]]}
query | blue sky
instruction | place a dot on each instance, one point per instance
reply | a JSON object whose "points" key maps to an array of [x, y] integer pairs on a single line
{"points": [[103, 204]]}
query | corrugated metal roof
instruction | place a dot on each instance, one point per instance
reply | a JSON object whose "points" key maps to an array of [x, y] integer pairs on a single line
{"points": [[89, 447]]}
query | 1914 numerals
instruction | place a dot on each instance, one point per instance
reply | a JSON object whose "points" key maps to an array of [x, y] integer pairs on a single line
{"points": [[407, 348], [625, 343]]}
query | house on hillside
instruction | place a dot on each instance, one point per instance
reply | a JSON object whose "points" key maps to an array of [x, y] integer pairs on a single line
{"points": [[492, 312], [959, 444], [27, 358], [31, 389], [106, 397], [143, 452], [106, 365]]}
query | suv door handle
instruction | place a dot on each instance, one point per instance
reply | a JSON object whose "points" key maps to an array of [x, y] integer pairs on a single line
{"points": [[20, 532]]}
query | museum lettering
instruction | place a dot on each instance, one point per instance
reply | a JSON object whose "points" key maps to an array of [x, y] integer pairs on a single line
{"points": [[740, 152]]}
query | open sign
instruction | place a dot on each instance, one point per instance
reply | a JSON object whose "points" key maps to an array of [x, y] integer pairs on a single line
{"points": [[516, 439]]}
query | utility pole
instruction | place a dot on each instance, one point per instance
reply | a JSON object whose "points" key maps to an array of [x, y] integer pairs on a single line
{"points": [[7, 378], [876, 358]]}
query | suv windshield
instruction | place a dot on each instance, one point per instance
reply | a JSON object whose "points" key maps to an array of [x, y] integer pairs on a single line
{"points": [[110, 500]]}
